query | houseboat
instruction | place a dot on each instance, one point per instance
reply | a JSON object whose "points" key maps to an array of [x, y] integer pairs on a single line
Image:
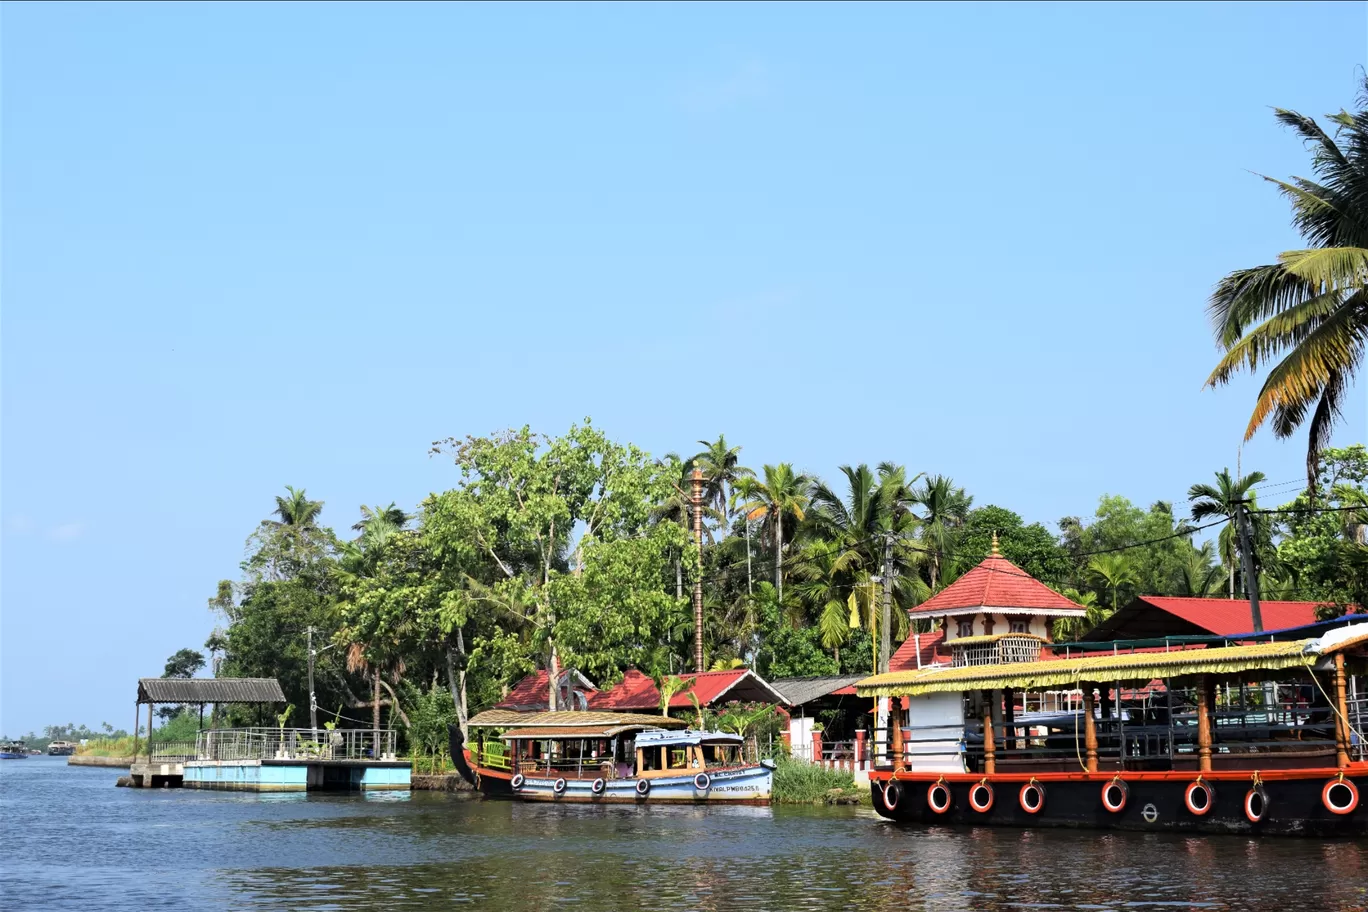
{"points": [[14, 750], [61, 748], [1206, 735], [608, 758]]}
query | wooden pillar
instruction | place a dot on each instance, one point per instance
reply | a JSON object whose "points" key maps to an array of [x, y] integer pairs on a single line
{"points": [[1009, 719], [895, 713], [1342, 739], [817, 747], [1205, 693], [149, 737], [989, 754], [859, 749], [1089, 729]]}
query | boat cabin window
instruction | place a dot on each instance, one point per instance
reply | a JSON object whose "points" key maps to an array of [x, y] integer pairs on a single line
{"points": [[679, 757], [651, 759], [722, 754]]}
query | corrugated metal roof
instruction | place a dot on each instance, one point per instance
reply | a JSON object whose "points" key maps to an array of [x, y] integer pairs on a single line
{"points": [[637, 691], [210, 690], [797, 691]]}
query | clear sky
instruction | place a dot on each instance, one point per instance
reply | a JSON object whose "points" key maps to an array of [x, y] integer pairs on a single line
{"points": [[247, 246]]}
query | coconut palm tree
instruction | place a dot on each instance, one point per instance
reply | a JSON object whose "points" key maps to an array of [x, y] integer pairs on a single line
{"points": [[1223, 499], [944, 508], [722, 469], [1200, 572], [1067, 629], [783, 493], [1114, 571], [296, 511], [1307, 313], [391, 516]]}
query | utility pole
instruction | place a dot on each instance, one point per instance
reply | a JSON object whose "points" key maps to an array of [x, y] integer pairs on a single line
{"points": [[886, 618], [313, 700], [1247, 559], [698, 577]]}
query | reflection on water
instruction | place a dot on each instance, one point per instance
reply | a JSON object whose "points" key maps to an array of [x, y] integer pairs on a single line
{"points": [[73, 837]]}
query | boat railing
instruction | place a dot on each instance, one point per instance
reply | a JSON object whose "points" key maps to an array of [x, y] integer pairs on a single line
{"points": [[295, 744], [490, 755]]}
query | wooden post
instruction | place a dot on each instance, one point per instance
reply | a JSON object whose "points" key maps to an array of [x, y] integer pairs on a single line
{"points": [[1089, 729], [1204, 695], [1009, 719], [149, 739], [1341, 714], [989, 754], [859, 749], [895, 714], [817, 748]]}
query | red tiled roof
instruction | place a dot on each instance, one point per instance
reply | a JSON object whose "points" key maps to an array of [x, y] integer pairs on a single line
{"points": [[905, 658], [529, 694], [637, 691], [1223, 617], [997, 583]]}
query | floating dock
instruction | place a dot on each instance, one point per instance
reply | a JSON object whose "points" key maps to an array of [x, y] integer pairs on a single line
{"points": [[277, 760]]}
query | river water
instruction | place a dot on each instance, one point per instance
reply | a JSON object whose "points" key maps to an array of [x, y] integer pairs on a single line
{"points": [[72, 839]]}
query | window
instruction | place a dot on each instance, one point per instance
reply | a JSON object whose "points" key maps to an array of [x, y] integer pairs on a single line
{"points": [[1021, 625], [987, 625], [966, 627], [651, 759], [679, 758]]}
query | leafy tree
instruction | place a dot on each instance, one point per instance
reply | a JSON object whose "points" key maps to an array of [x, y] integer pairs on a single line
{"points": [[1030, 547], [1308, 312], [292, 543], [183, 663], [1322, 533], [1201, 574]]}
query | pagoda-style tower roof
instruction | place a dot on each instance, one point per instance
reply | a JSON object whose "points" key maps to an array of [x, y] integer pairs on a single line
{"points": [[997, 586]]}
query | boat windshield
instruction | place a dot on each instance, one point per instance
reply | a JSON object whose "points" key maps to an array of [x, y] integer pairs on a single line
{"points": [[722, 754]]}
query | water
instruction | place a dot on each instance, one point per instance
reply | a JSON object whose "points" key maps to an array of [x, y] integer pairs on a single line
{"points": [[72, 837]]}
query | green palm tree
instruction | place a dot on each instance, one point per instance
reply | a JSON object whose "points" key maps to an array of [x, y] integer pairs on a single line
{"points": [[1222, 499], [1068, 629], [944, 510], [1114, 571], [296, 511], [1200, 573], [1308, 312], [783, 493], [390, 515], [722, 469]]}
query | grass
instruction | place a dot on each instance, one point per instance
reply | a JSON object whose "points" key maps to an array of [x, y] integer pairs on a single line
{"points": [[126, 746], [796, 782]]}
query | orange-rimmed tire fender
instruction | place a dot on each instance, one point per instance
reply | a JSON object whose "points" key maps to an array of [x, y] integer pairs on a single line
{"points": [[1340, 796], [1203, 805], [892, 792], [1032, 797], [1255, 803], [938, 797], [1115, 794], [981, 796]]}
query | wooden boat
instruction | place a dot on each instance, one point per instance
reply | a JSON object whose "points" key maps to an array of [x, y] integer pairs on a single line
{"points": [[14, 750], [61, 749], [1159, 753], [609, 758]]}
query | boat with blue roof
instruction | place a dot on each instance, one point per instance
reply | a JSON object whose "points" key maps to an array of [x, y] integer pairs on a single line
{"points": [[609, 758]]}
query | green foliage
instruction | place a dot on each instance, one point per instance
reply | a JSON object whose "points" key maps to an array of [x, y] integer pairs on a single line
{"points": [[1031, 547], [184, 663], [431, 712], [796, 782]]}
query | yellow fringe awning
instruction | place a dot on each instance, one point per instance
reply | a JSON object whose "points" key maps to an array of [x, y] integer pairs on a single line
{"points": [[1069, 673]]}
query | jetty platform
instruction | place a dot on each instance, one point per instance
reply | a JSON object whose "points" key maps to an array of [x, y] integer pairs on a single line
{"points": [[261, 759]]}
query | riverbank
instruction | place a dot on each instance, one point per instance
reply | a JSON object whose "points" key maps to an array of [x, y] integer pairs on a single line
{"points": [[99, 760], [796, 782], [448, 782]]}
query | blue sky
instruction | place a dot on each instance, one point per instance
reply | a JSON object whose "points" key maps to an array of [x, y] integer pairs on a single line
{"points": [[250, 246]]}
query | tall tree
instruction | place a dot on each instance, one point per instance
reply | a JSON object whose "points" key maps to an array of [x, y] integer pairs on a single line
{"points": [[782, 494], [1308, 312], [944, 508], [1116, 572], [722, 469], [1223, 499]]}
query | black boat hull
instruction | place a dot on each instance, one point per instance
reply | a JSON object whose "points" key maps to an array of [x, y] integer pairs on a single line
{"points": [[1294, 802]]}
